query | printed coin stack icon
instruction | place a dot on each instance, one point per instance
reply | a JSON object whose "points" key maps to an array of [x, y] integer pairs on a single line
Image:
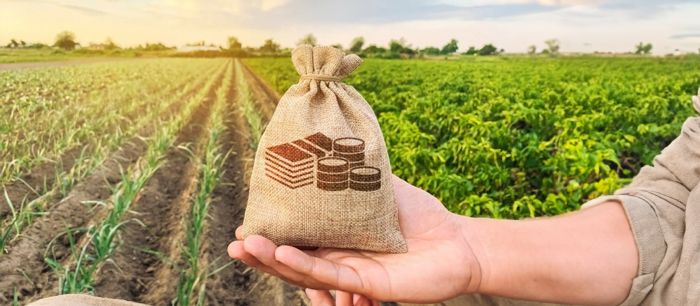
{"points": [[332, 173], [350, 148], [365, 178]]}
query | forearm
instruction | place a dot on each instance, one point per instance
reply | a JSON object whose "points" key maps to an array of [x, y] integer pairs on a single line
{"points": [[585, 257]]}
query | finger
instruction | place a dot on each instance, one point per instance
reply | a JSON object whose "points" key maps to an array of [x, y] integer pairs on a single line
{"points": [[239, 233], [343, 298], [236, 251], [319, 297], [321, 270], [264, 251], [361, 300]]}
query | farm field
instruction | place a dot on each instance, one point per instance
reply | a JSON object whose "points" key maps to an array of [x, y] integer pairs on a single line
{"points": [[126, 179], [514, 137]]}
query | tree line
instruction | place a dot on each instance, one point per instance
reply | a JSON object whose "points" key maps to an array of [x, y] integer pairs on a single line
{"points": [[396, 48]]}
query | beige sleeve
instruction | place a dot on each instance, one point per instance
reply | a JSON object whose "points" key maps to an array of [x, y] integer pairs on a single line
{"points": [[655, 203]]}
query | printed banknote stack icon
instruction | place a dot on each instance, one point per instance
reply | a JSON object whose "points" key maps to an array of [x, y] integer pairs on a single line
{"points": [[292, 164], [340, 164]]}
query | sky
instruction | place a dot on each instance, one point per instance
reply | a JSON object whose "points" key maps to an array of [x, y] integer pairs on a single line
{"points": [[580, 26]]}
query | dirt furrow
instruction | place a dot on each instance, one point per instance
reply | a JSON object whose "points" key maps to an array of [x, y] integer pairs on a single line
{"points": [[143, 267], [266, 97], [236, 284], [42, 176], [276, 292], [23, 268]]}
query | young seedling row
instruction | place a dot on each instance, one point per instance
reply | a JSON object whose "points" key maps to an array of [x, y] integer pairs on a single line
{"points": [[23, 213], [141, 173], [99, 244]]}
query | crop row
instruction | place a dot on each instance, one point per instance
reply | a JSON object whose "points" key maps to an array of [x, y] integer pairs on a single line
{"points": [[155, 106], [517, 137], [77, 274]]}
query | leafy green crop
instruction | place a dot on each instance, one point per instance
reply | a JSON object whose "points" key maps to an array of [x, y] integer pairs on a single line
{"points": [[518, 137]]}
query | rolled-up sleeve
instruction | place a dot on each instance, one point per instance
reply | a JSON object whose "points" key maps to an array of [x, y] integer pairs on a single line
{"points": [[655, 203]]}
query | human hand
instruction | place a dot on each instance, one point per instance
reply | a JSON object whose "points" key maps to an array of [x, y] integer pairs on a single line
{"points": [[439, 264]]}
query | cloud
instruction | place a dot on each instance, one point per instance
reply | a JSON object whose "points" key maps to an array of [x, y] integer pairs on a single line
{"points": [[83, 9], [685, 35], [330, 12]]}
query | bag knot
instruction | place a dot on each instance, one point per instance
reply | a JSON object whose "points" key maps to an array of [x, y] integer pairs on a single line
{"points": [[323, 63], [321, 77]]}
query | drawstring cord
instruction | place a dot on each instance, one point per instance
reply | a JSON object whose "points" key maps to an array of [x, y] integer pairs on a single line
{"points": [[319, 77]]}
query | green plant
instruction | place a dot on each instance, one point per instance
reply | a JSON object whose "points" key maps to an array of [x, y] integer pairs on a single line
{"points": [[515, 137]]}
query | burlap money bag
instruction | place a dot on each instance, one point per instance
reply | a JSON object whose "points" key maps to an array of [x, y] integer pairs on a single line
{"points": [[321, 176]]}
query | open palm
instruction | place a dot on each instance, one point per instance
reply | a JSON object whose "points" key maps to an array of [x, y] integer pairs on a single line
{"points": [[439, 263]]}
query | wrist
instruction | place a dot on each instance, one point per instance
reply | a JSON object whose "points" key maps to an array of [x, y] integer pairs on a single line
{"points": [[478, 267]]}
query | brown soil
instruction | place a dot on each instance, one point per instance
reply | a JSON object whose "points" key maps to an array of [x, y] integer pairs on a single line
{"points": [[38, 180], [70, 62], [23, 267], [236, 284], [142, 270], [265, 97], [41, 178], [32, 277]]}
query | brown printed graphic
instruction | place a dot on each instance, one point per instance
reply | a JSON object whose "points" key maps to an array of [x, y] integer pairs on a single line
{"points": [[306, 145], [321, 141], [340, 164], [365, 178], [332, 173], [351, 157], [348, 145], [365, 174], [289, 165]]}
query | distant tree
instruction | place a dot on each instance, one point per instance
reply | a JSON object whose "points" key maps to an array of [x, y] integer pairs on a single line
{"points": [[431, 51], [270, 46], [373, 49], [472, 51], [356, 44], [37, 46], [642, 48], [450, 47], [552, 46], [13, 43], [65, 40], [23, 43], [154, 47], [234, 43], [395, 46], [337, 46], [488, 49], [309, 39], [532, 49], [400, 47], [110, 45]]}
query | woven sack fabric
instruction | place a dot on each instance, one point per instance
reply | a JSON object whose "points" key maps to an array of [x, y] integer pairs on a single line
{"points": [[321, 176]]}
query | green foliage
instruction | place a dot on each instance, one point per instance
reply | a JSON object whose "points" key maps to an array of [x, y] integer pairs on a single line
{"points": [[309, 39], [642, 48], [356, 44], [514, 137], [65, 40], [488, 49], [450, 47], [552, 46], [269, 47]]}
